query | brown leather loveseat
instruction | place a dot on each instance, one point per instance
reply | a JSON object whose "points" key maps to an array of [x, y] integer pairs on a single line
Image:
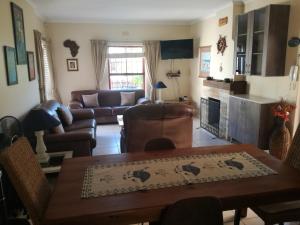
{"points": [[79, 137], [145, 123], [109, 103]]}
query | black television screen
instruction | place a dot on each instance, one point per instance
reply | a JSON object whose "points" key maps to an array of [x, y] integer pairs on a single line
{"points": [[177, 49]]}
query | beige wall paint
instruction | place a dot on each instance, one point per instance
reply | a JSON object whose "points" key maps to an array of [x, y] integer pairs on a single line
{"points": [[208, 31], [82, 33], [17, 99]]}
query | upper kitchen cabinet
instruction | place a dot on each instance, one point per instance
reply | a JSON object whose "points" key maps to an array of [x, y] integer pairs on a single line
{"points": [[261, 41]]}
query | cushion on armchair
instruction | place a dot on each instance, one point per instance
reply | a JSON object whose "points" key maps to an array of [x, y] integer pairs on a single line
{"points": [[65, 115]]}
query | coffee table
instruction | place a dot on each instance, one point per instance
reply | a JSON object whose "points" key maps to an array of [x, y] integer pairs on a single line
{"points": [[120, 120]]}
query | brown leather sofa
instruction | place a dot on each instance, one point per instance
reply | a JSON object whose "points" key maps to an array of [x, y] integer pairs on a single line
{"points": [[110, 103], [79, 137], [145, 123]]}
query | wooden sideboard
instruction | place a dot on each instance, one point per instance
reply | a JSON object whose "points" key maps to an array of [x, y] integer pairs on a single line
{"points": [[250, 119]]}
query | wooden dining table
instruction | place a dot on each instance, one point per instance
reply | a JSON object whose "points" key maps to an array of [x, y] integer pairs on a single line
{"points": [[67, 207]]}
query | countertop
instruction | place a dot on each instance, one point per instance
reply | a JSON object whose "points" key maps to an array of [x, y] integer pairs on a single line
{"points": [[256, 99]]}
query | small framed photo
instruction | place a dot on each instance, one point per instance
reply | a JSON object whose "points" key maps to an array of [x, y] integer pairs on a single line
{"points": [[11, 65], [204, 64], [72, 64], [31, 66]]}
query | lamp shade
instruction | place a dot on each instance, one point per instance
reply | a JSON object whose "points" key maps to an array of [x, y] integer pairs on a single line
{"points": [[160, 85], [39, 119], [294, 42]]}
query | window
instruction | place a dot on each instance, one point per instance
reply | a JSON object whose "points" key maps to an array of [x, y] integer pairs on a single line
{"points": [[126, 67], [47, 72]]}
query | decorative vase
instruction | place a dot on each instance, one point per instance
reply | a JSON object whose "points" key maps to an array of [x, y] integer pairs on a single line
{"points": [[280, 139]]}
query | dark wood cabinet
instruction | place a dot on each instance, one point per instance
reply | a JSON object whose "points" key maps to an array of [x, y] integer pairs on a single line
{"points": [[261, 41], [250, 120]]}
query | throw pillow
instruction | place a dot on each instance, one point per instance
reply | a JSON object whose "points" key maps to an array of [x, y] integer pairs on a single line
{"points": [[90, 100], [58, 130], [65, 115], [127, 98]]}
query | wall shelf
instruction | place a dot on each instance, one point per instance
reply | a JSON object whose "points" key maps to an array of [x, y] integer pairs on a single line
{"points": [[235, 87]]}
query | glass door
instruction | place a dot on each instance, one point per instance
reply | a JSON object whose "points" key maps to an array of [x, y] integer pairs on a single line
{"points": [[258, 34], [241, 45]]}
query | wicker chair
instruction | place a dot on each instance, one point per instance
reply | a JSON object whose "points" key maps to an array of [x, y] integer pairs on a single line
{"points": [[27, 177], [285, 211], [194, 211]]}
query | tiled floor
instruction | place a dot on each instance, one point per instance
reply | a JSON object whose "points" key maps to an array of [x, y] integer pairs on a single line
{"points": [[108, 138], [108, 142]]}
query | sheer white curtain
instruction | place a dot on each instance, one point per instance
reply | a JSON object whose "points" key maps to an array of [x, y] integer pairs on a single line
{"points": [[99, 57], [152, 53]]}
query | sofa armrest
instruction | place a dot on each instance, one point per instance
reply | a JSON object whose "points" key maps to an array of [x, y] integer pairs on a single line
{"points": [[143, 101], [81, 114], [75, 105], [67, 137]]}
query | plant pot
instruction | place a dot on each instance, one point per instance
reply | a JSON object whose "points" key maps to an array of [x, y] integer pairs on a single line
{"points": [[280, 140]]}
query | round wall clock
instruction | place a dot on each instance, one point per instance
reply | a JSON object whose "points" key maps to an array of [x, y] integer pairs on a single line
{"points": [[221, 45]]}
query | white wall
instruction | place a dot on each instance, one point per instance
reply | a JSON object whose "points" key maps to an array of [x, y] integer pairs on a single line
{"points": [[17, 99], [82, 33]]}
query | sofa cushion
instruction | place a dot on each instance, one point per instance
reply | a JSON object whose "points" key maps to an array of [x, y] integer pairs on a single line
{"points": [[65, 115], [127, 98], [119, 110], [80, 124], [90, 100], [58, 129], [103, 111]]}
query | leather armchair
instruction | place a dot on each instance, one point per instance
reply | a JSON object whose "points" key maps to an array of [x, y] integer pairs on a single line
{"points": [[144, 123], [80, 136]]}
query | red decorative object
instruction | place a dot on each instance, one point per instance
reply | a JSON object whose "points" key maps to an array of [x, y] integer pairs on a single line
{"points": [[280, 139], [283, 110], [221, 45]]}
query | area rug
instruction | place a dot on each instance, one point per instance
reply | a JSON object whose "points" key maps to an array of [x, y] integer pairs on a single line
{"points": [[119, 178]]}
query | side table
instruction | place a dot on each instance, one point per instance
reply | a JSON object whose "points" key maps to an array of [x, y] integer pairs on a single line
{"points": [[187, 102], [55, 161]]}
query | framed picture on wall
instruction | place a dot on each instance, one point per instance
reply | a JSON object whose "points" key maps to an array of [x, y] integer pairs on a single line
{"points": [[31, 67], [205, 58], [19, 33], [72, 64], [11, 65]]}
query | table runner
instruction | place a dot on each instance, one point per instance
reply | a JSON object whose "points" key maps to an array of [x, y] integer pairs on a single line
{"points": [[118, 178]]}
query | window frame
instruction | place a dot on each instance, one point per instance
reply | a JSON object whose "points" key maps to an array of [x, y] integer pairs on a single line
{"points": [[126, 74]]}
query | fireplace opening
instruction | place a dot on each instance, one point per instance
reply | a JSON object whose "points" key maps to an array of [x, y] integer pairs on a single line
{"points": [[210, 115], [214, 112]]}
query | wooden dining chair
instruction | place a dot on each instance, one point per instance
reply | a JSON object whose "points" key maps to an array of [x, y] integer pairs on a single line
{"points": [[193, 211], [27, 177], [284, 211], [159, 144]]}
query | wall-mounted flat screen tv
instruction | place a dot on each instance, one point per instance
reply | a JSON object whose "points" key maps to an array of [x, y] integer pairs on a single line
{"points": [[177, 49]]}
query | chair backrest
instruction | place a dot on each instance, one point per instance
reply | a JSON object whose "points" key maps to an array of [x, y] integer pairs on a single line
{"points": [[143, 123], [293, 157], [159, 144], [194, 211], [27, 177]]}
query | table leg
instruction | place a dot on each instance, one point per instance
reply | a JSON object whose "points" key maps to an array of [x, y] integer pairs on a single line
{"points": [[243, 212]]}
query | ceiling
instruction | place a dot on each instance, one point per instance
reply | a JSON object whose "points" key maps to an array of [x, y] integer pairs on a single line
{"points": [[127, 11]]}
